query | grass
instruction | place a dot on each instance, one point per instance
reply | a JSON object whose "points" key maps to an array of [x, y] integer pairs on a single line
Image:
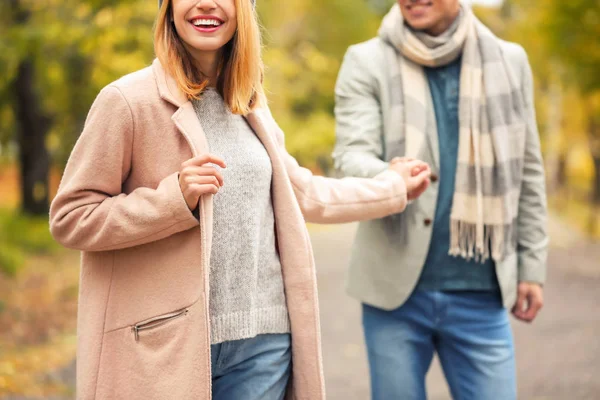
{"points": [[38, 299], [20, 237], [38, 313]]}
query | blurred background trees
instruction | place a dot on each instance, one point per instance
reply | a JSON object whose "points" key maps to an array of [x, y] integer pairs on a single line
{"points": [[55, 56]]}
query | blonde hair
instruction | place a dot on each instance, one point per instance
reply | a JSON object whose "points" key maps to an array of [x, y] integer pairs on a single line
{"points": [[240, 72]]}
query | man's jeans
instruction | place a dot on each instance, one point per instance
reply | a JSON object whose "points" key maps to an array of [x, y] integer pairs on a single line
{"points": [[251, 369], [470, 331]]}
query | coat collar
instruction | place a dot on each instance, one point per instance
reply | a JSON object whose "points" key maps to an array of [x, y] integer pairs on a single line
{"points": [[167, 87]]}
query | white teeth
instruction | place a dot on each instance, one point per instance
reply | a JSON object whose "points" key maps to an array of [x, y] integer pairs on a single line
{"points": [[206, 22]]}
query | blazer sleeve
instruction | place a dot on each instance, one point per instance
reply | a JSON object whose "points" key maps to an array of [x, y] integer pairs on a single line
{"points": [[359, 138], [532, 235], [329, 200], [90, 211]]}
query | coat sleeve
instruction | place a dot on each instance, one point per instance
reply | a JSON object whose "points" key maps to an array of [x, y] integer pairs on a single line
{"points": [[359, 138], [328, 200], [90, 211], [532, 236]]}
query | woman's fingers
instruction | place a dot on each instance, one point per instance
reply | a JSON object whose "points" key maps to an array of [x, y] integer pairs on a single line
{"points": [[417, 184], [204, 180], [201, 189], [198, 177], [415, 194], [401, 159], [193, 171]]}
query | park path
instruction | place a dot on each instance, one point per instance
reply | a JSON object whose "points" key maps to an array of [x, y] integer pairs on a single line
{"points": [[558, 356]]}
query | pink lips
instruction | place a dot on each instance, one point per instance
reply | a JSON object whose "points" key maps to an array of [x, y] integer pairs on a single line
{"points": [[207, 28], [419, 9]]}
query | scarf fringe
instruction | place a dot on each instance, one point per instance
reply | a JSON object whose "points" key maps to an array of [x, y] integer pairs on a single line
{"points": [[471, 243]]}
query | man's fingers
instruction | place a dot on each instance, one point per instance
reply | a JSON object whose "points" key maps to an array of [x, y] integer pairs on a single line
{"points": [[423, 175], [417, 167], [518, 308], [532, 311], [412, 163], [533, 307], [205, 159]]}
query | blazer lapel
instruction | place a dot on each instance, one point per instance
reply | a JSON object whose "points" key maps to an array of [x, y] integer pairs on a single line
{"points": [[431, 134]]}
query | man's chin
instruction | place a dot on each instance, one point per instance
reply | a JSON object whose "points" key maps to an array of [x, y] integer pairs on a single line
{"points": [[420, 25]]}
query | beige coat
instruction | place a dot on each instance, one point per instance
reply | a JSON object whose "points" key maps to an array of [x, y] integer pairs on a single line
{"points": [[143, 324]]}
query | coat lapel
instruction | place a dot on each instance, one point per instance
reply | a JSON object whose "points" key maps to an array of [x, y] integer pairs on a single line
{"points": [[258, 126], [298, 270], [185, 117], [188, 124], [280, 180]]}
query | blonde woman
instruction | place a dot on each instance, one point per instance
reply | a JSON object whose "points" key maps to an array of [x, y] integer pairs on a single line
{"points": [[197, 276]]}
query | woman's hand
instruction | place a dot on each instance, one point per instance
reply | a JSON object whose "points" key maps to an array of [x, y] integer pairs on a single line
{"points": [[196, 178], [416, 175]]}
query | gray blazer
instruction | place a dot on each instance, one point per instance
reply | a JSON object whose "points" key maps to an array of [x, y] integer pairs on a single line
{"points": [[387, 260]]}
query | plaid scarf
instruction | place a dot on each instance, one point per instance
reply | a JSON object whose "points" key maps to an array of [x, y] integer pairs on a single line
{"points": [[491, 126]]}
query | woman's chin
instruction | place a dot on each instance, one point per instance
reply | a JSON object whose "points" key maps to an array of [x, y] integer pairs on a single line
{"points": [[207, 46]]}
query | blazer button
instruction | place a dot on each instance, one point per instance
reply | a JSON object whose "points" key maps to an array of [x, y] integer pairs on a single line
{"points": [[427, 221], [434, 178]]}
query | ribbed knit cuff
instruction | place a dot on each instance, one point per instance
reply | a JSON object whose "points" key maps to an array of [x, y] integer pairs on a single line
{"points": [[248, 324]]}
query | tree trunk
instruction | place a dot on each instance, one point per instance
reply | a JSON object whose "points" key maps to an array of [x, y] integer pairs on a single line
{"points": [[561, 172], [555, 153], [33, 126], [33, 155], [596, 182], [594, 132]]}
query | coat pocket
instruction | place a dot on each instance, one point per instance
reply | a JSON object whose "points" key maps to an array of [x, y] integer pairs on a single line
{"points": [[163, 357], [156, 322]]}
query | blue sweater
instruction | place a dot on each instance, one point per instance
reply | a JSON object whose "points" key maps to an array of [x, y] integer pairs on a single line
{"points": [[442, 271]]}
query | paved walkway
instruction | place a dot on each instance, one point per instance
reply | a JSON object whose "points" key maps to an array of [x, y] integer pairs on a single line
{"points": [[558, 356]]}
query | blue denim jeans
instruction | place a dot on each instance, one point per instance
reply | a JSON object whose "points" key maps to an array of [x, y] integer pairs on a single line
{"points": [[470, 331], [251, 369]]}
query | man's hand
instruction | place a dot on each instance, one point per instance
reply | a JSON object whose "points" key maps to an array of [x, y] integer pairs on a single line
{"points": [[530, 300]]}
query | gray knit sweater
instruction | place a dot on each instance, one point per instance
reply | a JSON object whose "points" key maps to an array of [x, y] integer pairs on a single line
{"points": [[246, 285]]}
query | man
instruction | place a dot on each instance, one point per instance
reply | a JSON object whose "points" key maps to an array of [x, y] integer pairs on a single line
{"points": [[439, 86]]}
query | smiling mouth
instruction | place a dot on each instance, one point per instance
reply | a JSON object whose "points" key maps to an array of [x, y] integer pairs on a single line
{"points": [[206, 23], [418, 5]]}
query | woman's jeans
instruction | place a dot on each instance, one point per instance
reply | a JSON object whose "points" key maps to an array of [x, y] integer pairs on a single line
{"points": [[251, 369], [470, 331]]}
